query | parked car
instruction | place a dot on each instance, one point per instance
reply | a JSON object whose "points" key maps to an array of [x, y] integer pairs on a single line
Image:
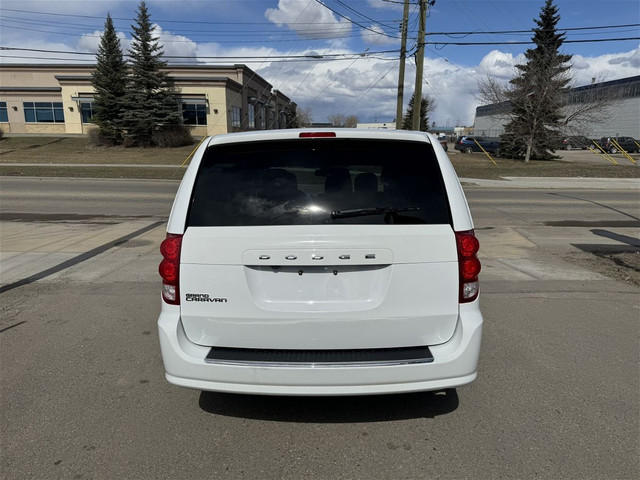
{"points": [[469, 145], [320, 262], [576, 141], [629, 144], [443, 142]]}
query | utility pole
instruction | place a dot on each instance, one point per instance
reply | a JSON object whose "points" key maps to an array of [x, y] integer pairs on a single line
{"points": [[417, 98], [403, 55]]}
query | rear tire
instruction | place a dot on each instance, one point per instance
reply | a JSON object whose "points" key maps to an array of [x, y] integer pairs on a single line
{"points": [[568, 147], [613, 150], [468, 150]]}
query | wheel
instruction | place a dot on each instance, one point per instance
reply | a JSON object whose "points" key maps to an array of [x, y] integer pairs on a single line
{"points": [[568, 146], [468, 149], [613, 150]]}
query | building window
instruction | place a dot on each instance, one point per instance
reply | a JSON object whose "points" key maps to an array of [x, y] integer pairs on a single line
{"points": [[194, 114], [252, 115], [236, 116], [4, 116], [45, 112], [86, 111]]}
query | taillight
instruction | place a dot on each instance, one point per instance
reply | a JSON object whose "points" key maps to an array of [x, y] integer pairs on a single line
{"points": [[317, 135], [169, 268], [469, 265]]}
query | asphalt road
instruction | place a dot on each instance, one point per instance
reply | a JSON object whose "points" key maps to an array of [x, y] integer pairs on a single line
{"points": [[82, 392]]}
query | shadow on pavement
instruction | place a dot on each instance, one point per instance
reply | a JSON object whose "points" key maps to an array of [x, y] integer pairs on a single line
{"points": [[634, 242], [363, 409]]}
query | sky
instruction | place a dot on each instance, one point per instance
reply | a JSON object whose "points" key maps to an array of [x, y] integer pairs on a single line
{"points": [[339, 56]]}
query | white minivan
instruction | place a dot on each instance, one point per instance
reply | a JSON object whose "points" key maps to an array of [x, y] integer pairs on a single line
{"points": [[320, 262]]}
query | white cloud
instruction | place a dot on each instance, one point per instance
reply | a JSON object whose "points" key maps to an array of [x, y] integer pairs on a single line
{"points": [[375, 35], [367, 87], [579, 63], [499, 64], [363, 86], [606, 67], [177, 48], [176, 45], [89, 42], [310, 20], [384, 5], [632, 59]]}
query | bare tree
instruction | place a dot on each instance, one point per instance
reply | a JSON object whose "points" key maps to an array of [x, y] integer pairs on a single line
{"points": [[340, 121], [304, 116], [351, 121], [337, 119], [590, 104]]}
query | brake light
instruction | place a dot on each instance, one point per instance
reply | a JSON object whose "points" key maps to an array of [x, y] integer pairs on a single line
{"points": [[317, 134], [469, 265], [169, 268]]}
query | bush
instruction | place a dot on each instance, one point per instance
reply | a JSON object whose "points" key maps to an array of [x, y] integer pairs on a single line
{"points": [[172, 136], [99, 139]]}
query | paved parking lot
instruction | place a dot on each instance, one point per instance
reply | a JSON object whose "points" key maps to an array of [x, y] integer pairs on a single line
{"points": [[82, 393]]}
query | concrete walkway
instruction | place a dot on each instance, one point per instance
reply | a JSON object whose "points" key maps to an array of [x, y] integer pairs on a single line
{"points": [[556, 182]]}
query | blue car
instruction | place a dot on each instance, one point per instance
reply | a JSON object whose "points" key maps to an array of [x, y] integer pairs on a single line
{"points": [[469, 145]]}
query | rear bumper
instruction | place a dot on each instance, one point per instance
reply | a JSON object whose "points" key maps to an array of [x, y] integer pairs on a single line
{"points": [[454, 364]]}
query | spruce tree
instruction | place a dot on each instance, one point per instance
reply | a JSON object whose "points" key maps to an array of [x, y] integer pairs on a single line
{"points": [[538, 93], [151, 100], [109, 81], [425, 107], [291, 115]]}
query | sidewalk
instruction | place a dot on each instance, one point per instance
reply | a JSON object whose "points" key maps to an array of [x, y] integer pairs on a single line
{"points": [[556, 182]]}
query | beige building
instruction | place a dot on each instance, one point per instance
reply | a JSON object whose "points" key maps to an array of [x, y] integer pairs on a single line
{"points": [[57, 99]]}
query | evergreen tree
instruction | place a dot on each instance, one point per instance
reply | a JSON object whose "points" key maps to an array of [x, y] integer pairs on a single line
{"points": [[109, 81], [291, 115], [539, 92], [151, 99], [425, 107]]}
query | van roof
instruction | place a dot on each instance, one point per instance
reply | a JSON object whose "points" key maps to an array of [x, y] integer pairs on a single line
{"points": [[294, 133]]}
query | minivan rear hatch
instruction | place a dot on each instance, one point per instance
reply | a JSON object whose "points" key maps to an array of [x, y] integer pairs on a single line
{"points": [[319, 244]]}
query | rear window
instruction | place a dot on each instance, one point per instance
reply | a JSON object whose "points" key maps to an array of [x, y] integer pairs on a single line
{"points": [[319, 181]]}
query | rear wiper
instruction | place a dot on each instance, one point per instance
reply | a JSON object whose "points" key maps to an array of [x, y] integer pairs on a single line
{"points": [[361, 212]]}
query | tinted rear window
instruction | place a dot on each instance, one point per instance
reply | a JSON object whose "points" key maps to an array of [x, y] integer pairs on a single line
{"points": [[301, 182]]}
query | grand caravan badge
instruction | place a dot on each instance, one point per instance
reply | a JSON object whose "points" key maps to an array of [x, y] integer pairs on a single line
{"points": [[204, 297]]}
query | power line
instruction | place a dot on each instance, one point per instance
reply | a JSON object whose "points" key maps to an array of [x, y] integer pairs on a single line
{"points": [[196, 22], [356, 11], [371, 87], [348, 56], [317, 24], [182, 41], [193, 61], [502, 32], [191, 32], [377, 32], [531, 42]]}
